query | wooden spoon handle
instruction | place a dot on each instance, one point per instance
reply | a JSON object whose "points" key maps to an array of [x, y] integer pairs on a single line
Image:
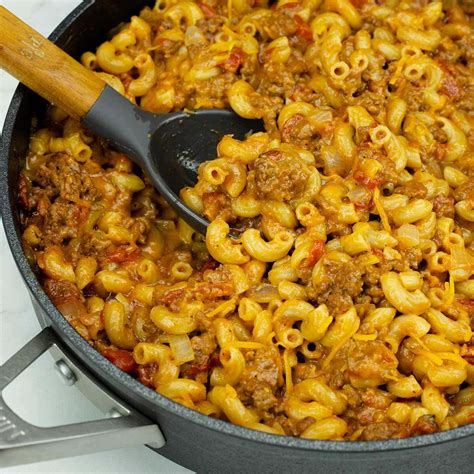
{"points": [[46, 69]]}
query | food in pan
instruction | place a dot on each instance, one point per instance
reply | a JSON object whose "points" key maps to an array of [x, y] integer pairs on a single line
{"points": [[344, 309]]}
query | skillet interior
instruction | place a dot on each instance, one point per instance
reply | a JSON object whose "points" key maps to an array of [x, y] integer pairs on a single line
{"points": [[194, 440]]}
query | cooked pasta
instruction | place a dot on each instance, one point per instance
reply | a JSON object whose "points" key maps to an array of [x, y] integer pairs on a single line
{"points": [[343, 309]]}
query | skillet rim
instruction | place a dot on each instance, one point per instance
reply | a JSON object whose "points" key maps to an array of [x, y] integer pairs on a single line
{"points": [[72, 338]]}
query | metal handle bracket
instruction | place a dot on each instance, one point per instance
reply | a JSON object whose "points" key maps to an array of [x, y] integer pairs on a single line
{"points": [[23, 443]]}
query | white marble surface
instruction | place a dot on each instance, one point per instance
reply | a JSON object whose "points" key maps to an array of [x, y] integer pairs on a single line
{"points": [[39, 396]]}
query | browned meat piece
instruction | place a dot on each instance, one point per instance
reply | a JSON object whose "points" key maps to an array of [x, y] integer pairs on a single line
{"points": [[405, 359], [214, 90], [217, 205], [297, 130], [264, 398], [205, 358], [343, 283], [375, 398], [279, 24], [389, 430], [212, 291], [24, 192], [412, 189], [146, 374], [465, 191], [369, 362], [67, 298], [259, 380], [279, 176], [424, 425], [444, 206], [294, 427], [62, 222], [411, 257], [469, 354], [373, 101], [210, 25]]}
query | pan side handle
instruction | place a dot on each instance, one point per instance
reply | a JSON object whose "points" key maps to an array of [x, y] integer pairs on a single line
{"points": [[23, 443]]}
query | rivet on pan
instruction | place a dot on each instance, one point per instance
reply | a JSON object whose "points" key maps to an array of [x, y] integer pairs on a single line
{"points": [[114, 413], [68, 376]]}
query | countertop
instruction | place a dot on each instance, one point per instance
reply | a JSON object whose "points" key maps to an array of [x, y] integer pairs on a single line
{"points": [[39, 395]]}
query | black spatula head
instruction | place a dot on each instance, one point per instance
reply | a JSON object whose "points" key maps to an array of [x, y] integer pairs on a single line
{"points": [[168, 147], [184, 141]]}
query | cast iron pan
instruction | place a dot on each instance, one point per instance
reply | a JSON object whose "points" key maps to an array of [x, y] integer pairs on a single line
{"points": [[193, 440]]}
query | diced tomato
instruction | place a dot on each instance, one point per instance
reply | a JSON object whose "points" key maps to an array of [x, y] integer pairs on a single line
{"points": [[358, 3], [469, 359], [126, 78], [146, 374], [371, 183], [211, 291], [211, 264], [290, 124], [208, 11], [304, 31], [171, 296], [23, 192], [449, 86], [316, 252], [121, 358], [440, 151], [209, 363], [377, 252], [468, 303], [469, 355], [82, 213], [43, 205], [123, 254], [290, 6], [166, 45], [363, 205], [235, 59]]}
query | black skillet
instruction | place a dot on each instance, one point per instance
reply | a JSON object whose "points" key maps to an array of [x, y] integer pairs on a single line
{"points": [[200, 443]]}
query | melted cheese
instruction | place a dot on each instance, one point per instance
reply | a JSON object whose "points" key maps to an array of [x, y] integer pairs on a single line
{"points": [[449, 291], [365, 337], [337, 346], [381, 210], [225, 307], [288, 374]]}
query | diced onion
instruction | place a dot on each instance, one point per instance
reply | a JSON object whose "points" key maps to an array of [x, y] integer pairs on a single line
{"points": [[359, 194], [194, 37], [408, 235], [181, 348], [334, 162], [263, 293]]}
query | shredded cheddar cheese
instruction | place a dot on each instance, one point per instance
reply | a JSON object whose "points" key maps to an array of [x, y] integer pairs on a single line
{"points": [[365, 337], [453, 357], [224, 308], [245, 345], [337, 346], [398, 71], [435, 358], [288, 375], [449, 291], [381, 210]]}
